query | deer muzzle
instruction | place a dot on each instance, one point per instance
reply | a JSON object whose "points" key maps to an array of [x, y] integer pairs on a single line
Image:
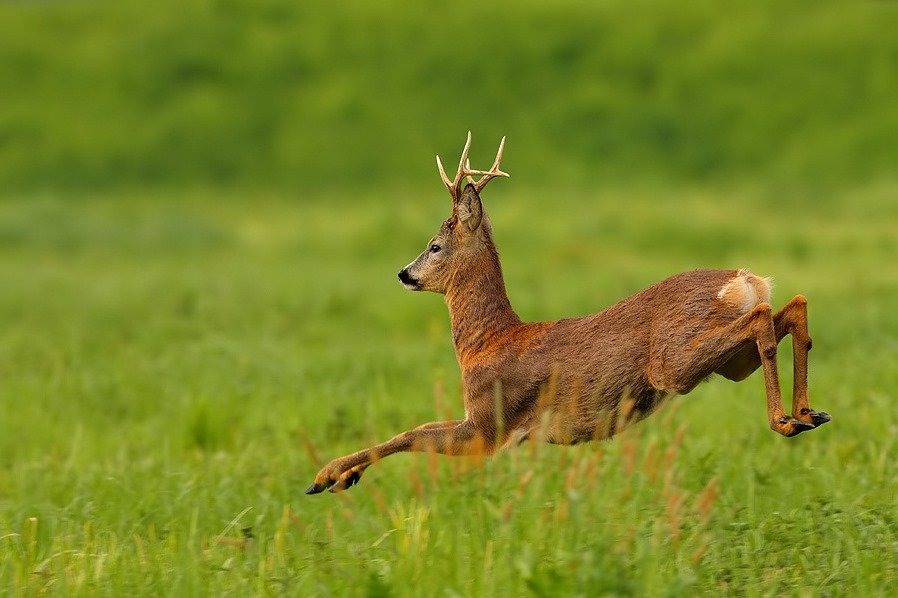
{"points": [[408, 281]]}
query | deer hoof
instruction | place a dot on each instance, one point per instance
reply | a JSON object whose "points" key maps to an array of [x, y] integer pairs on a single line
{"points": [[820, 417], [800, 426], [809, 416], [316, 488], [789, 426], [335, 476]]}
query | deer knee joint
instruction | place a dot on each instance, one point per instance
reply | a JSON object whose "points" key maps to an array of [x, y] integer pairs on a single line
{"points": [[769, 352], [763, 309]]}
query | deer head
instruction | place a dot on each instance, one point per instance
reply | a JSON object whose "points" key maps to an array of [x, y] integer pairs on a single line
{"points": [[461, 236]]}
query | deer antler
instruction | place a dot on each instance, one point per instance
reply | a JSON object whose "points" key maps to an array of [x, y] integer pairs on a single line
{"points": [[465, 170], [491, 174]]}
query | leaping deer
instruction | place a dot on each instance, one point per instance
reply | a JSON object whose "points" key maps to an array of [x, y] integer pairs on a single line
{"points": [[586, 378]]}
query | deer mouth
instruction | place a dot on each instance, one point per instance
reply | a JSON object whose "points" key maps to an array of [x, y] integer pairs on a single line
{"points": [[409, 281]]}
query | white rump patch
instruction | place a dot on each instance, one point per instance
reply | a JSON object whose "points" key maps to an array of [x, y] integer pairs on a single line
{"points": [[745, 290]]}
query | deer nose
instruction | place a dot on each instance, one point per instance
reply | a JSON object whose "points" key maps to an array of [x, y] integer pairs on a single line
{"points": [[405, 277]]}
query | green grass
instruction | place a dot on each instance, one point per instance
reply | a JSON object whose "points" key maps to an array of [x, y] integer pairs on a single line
{"points": [[174, 370]]}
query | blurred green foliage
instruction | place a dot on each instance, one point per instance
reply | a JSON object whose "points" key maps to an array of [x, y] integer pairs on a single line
{"points": [[320, 95]]}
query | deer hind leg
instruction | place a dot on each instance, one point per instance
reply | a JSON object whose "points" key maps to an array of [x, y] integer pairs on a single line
{"points": [[793, 319], [764, 334], [732, 350], [449, 438]]}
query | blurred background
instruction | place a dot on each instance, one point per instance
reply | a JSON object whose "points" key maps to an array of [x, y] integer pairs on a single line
{"points": [[300, 98]]}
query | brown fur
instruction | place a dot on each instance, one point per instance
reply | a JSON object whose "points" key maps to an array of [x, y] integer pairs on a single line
{"points": [[581, 379]]}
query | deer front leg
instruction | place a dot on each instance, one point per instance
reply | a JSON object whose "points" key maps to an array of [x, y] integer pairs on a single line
{"points": [[458, 437], [793, 319]]}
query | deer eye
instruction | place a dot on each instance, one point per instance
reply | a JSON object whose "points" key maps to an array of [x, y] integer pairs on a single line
{"points": [[435, 248]]}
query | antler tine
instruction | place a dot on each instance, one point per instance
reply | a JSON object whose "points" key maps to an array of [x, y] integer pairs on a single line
{"points": [[499, 153], [464, 159], [452, 186], [443, 176], [493, 171]]}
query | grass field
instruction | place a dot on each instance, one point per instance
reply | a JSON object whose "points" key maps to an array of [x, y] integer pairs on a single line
{"points": [[175, 370], [203, 208]]}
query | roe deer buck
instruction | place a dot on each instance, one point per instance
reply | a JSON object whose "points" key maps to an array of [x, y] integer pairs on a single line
{"points": [[583, 378]]}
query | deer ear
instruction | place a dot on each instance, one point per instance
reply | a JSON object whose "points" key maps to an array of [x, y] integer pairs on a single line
{"points": [[469, 209]]}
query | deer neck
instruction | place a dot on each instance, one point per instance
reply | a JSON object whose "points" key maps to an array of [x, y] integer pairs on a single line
{"points": [[478, 305]]}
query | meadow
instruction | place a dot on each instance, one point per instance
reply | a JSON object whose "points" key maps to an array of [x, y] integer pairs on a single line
{"points": [[176, 371], [203, 208]]}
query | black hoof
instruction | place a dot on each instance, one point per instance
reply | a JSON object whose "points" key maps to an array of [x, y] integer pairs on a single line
{"points": [[820, 417], [316, 488], [800, 426], [793, 427]]}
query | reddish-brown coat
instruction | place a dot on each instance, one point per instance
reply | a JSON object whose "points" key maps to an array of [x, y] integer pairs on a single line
{"points": [[586, 378]]}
